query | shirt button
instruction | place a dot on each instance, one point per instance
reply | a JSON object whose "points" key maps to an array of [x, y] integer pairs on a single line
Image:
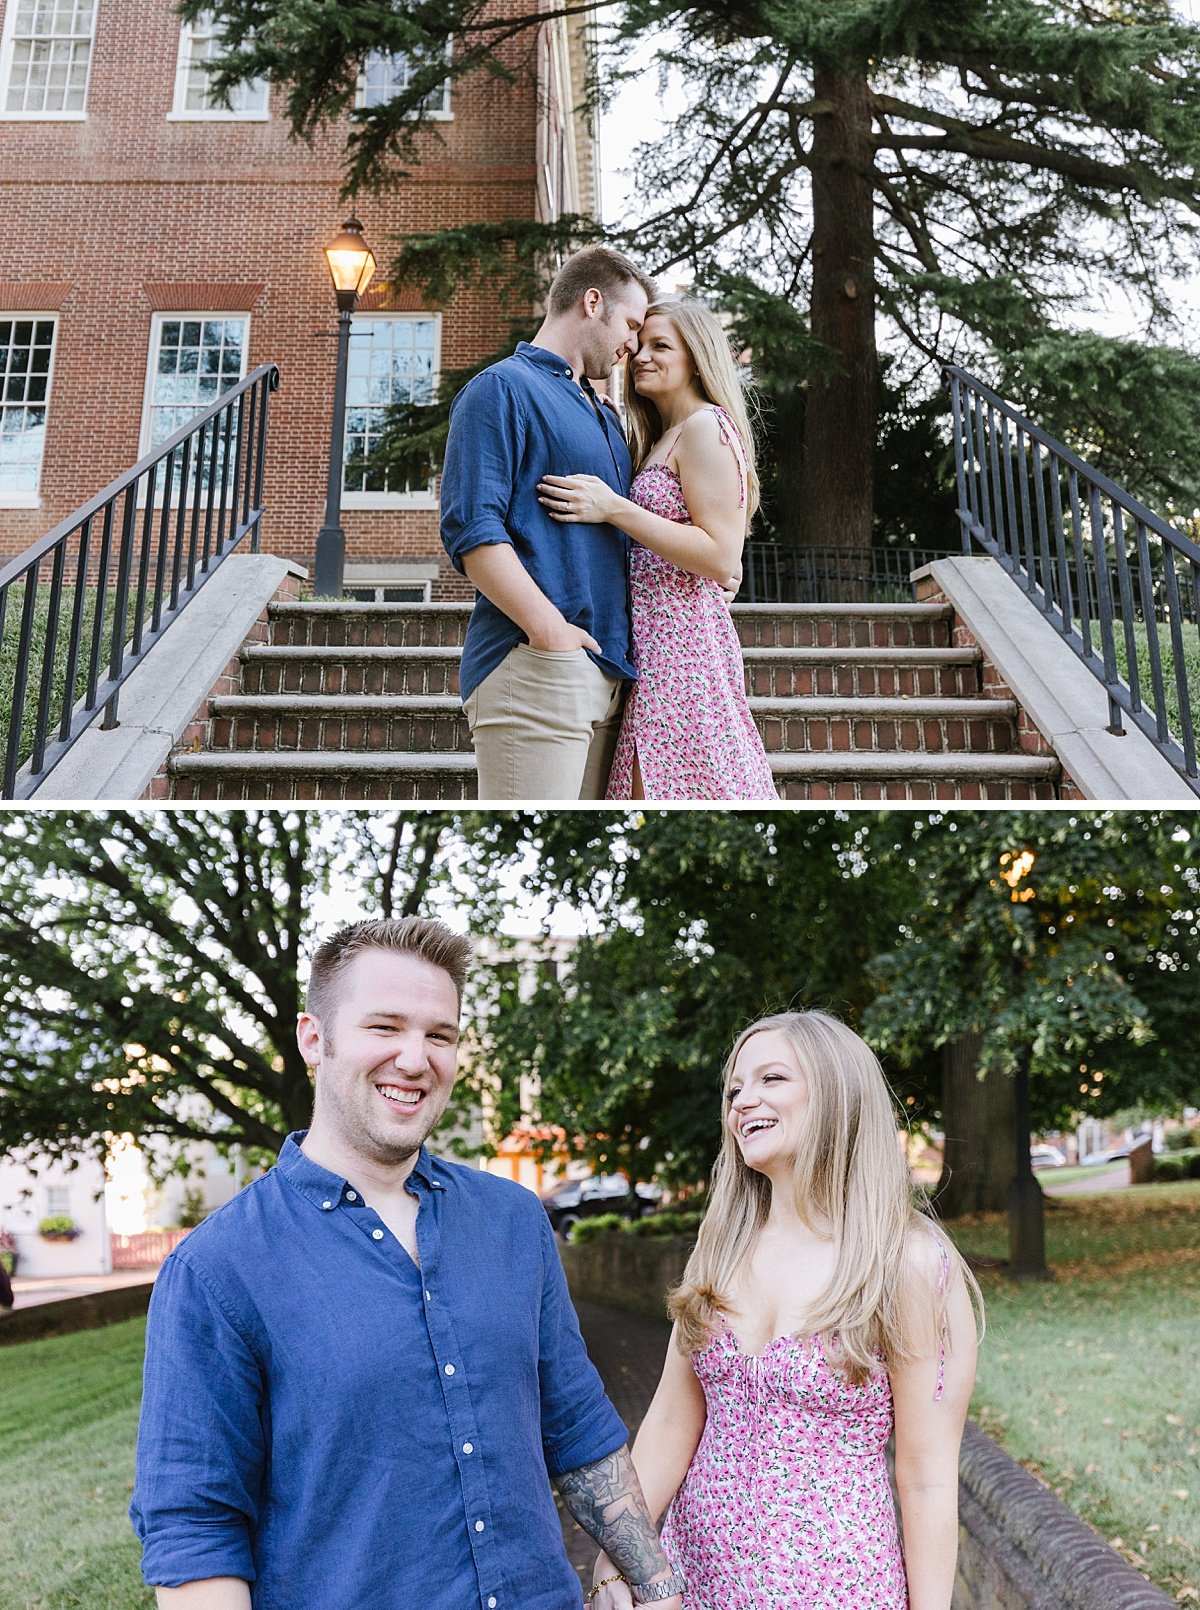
{"points": [[376, 1235], [492, 1602], [327, 1206], [428, 1296], [449, 1369], [351, 1196], [479, 1526], [468, 1447]]}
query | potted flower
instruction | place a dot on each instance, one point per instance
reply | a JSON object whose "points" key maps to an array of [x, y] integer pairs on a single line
{"points": [[58, 1227], [8, 1252]]}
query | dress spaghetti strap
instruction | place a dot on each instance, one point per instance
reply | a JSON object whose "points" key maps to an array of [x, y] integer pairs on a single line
{"points": [[732, 438]]}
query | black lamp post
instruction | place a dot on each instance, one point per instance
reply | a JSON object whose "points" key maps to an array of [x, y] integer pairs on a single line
{"points": [[351, 265]]}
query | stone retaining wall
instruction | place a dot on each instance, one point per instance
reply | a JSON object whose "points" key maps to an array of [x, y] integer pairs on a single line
{"points": [[1020, 1547]]}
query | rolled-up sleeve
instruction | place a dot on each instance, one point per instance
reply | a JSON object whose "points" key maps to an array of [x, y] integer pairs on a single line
{"points": [[579, 1424], [483, 450], [201, 1445]]}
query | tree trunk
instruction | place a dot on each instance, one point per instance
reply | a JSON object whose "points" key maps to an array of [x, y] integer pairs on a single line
{"points": [[839, 433], [977, 1116]]}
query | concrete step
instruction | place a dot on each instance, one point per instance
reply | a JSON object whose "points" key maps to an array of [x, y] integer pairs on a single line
{"points": [[277, 723], [915, 777], [305, 775]]}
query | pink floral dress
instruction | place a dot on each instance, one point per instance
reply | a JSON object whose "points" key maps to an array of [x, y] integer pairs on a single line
{"points": [[787, 1504], [686, 718]]}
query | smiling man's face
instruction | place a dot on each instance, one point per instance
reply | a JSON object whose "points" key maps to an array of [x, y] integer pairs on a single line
{"points": [[385, 1055]]}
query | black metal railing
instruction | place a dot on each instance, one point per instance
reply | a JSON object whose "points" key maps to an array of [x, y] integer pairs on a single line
{"points": [[778, 573], [1119, 583], [100, 590]]}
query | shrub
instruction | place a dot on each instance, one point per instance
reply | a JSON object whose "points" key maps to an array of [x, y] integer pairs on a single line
{"points": [[58, 1227], [589, 1229], [1181, 1140], [1168, 1170], [681, 1222], [1193, 1165], [192, 1210]]}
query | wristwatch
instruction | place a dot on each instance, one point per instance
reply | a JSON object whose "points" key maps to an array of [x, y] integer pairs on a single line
{"points": [[653, 1592]]}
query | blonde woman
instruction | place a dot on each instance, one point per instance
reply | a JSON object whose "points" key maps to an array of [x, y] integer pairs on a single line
{"points": [[687, 731], [819, 1311]]}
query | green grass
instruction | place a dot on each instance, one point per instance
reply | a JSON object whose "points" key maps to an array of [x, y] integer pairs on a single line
{"points": [[41, 621], [1191, 664], [1089, 1380], [69, 1407]]}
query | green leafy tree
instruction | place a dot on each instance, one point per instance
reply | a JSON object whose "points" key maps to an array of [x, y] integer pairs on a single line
{"points": [[150, 958], [950, 181]]}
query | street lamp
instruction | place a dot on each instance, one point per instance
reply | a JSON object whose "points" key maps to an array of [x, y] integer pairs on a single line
{"points": [[1026, 1216], [351, 267]]}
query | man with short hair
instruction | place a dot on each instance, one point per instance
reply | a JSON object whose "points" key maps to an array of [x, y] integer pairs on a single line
{"points": [[547, 653], [362, 1370]]}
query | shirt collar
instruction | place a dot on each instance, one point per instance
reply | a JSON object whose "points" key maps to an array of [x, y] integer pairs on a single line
{"points": [[326, 1190], [544, 358]]}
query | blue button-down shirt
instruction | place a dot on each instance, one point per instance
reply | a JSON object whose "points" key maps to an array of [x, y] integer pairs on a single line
{"points": [[520, 419], [349, 1432]]}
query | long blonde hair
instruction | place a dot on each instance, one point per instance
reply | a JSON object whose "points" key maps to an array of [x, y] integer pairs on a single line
{"points": [[708, 347], [850, 1181]]}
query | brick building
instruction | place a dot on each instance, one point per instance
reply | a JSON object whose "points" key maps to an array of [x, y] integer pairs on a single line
{"points": [[157, 248]]}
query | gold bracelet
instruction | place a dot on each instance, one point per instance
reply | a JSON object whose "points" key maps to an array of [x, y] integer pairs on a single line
{"points": [[604, 1583]]}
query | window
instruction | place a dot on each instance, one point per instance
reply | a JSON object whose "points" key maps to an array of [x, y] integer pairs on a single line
{"points": [[58, 1201], [385, 75], [26, 353], [44, 58], [198, 44], [393, 359], [194, 359], [390, 584]]}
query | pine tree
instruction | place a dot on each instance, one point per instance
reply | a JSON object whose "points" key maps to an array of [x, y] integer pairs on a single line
{"points": [[945, 181]]}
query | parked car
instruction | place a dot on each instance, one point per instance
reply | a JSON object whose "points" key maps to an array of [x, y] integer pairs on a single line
{"points": [[1046, 1157], [597, 1193]]}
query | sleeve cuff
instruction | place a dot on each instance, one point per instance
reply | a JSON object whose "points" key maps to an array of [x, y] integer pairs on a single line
{"points": [[594, 1437]]}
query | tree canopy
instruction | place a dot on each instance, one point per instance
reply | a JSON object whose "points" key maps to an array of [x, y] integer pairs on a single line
{"points": [[944, 182]]}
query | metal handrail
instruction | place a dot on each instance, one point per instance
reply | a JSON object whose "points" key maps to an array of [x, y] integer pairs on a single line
{"points": [[789, 573], [206, 502], [1021, 498]]}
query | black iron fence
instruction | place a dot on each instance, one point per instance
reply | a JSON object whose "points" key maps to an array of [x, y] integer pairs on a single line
{"points": [[82, 608], [1119, 583], [776, 573]]}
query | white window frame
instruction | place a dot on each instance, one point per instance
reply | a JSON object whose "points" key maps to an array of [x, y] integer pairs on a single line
{"points": [[157, 320], [380, 576], [7, 48], [181, 113], [444, 114], [57, 1201], [33, 500], [427, 497]]}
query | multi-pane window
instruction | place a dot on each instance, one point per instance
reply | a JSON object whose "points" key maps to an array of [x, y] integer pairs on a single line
{"points": [[199, 43], [26, 349], [384, 75], [46, 53], [195, 361], [392, 360]]}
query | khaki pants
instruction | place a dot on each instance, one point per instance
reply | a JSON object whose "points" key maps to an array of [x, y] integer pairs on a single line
{"points": [[544, 726]]}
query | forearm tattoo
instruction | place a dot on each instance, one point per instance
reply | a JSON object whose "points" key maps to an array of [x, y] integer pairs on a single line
{"points": [[606, 1499]]}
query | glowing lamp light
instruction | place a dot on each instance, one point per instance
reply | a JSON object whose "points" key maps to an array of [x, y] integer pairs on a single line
{"points": [[351, 261]]}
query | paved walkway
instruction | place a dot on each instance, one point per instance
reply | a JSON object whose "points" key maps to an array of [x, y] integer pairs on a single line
{"points": [[628, 1351], [29, 1292]]}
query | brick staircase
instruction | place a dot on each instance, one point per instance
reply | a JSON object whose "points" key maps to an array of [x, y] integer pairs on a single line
{"points": [[359, 702]]}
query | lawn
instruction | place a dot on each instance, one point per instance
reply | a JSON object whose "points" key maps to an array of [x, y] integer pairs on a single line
{"points": [[1090, 1381], [68, 1408]]}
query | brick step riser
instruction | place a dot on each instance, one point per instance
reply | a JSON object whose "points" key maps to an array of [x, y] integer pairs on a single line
{"points": [[782, 681], [448, 734], [786, 681], [419, 787], [423, 788], [944, 789], [432, 679], [816, 633]]}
